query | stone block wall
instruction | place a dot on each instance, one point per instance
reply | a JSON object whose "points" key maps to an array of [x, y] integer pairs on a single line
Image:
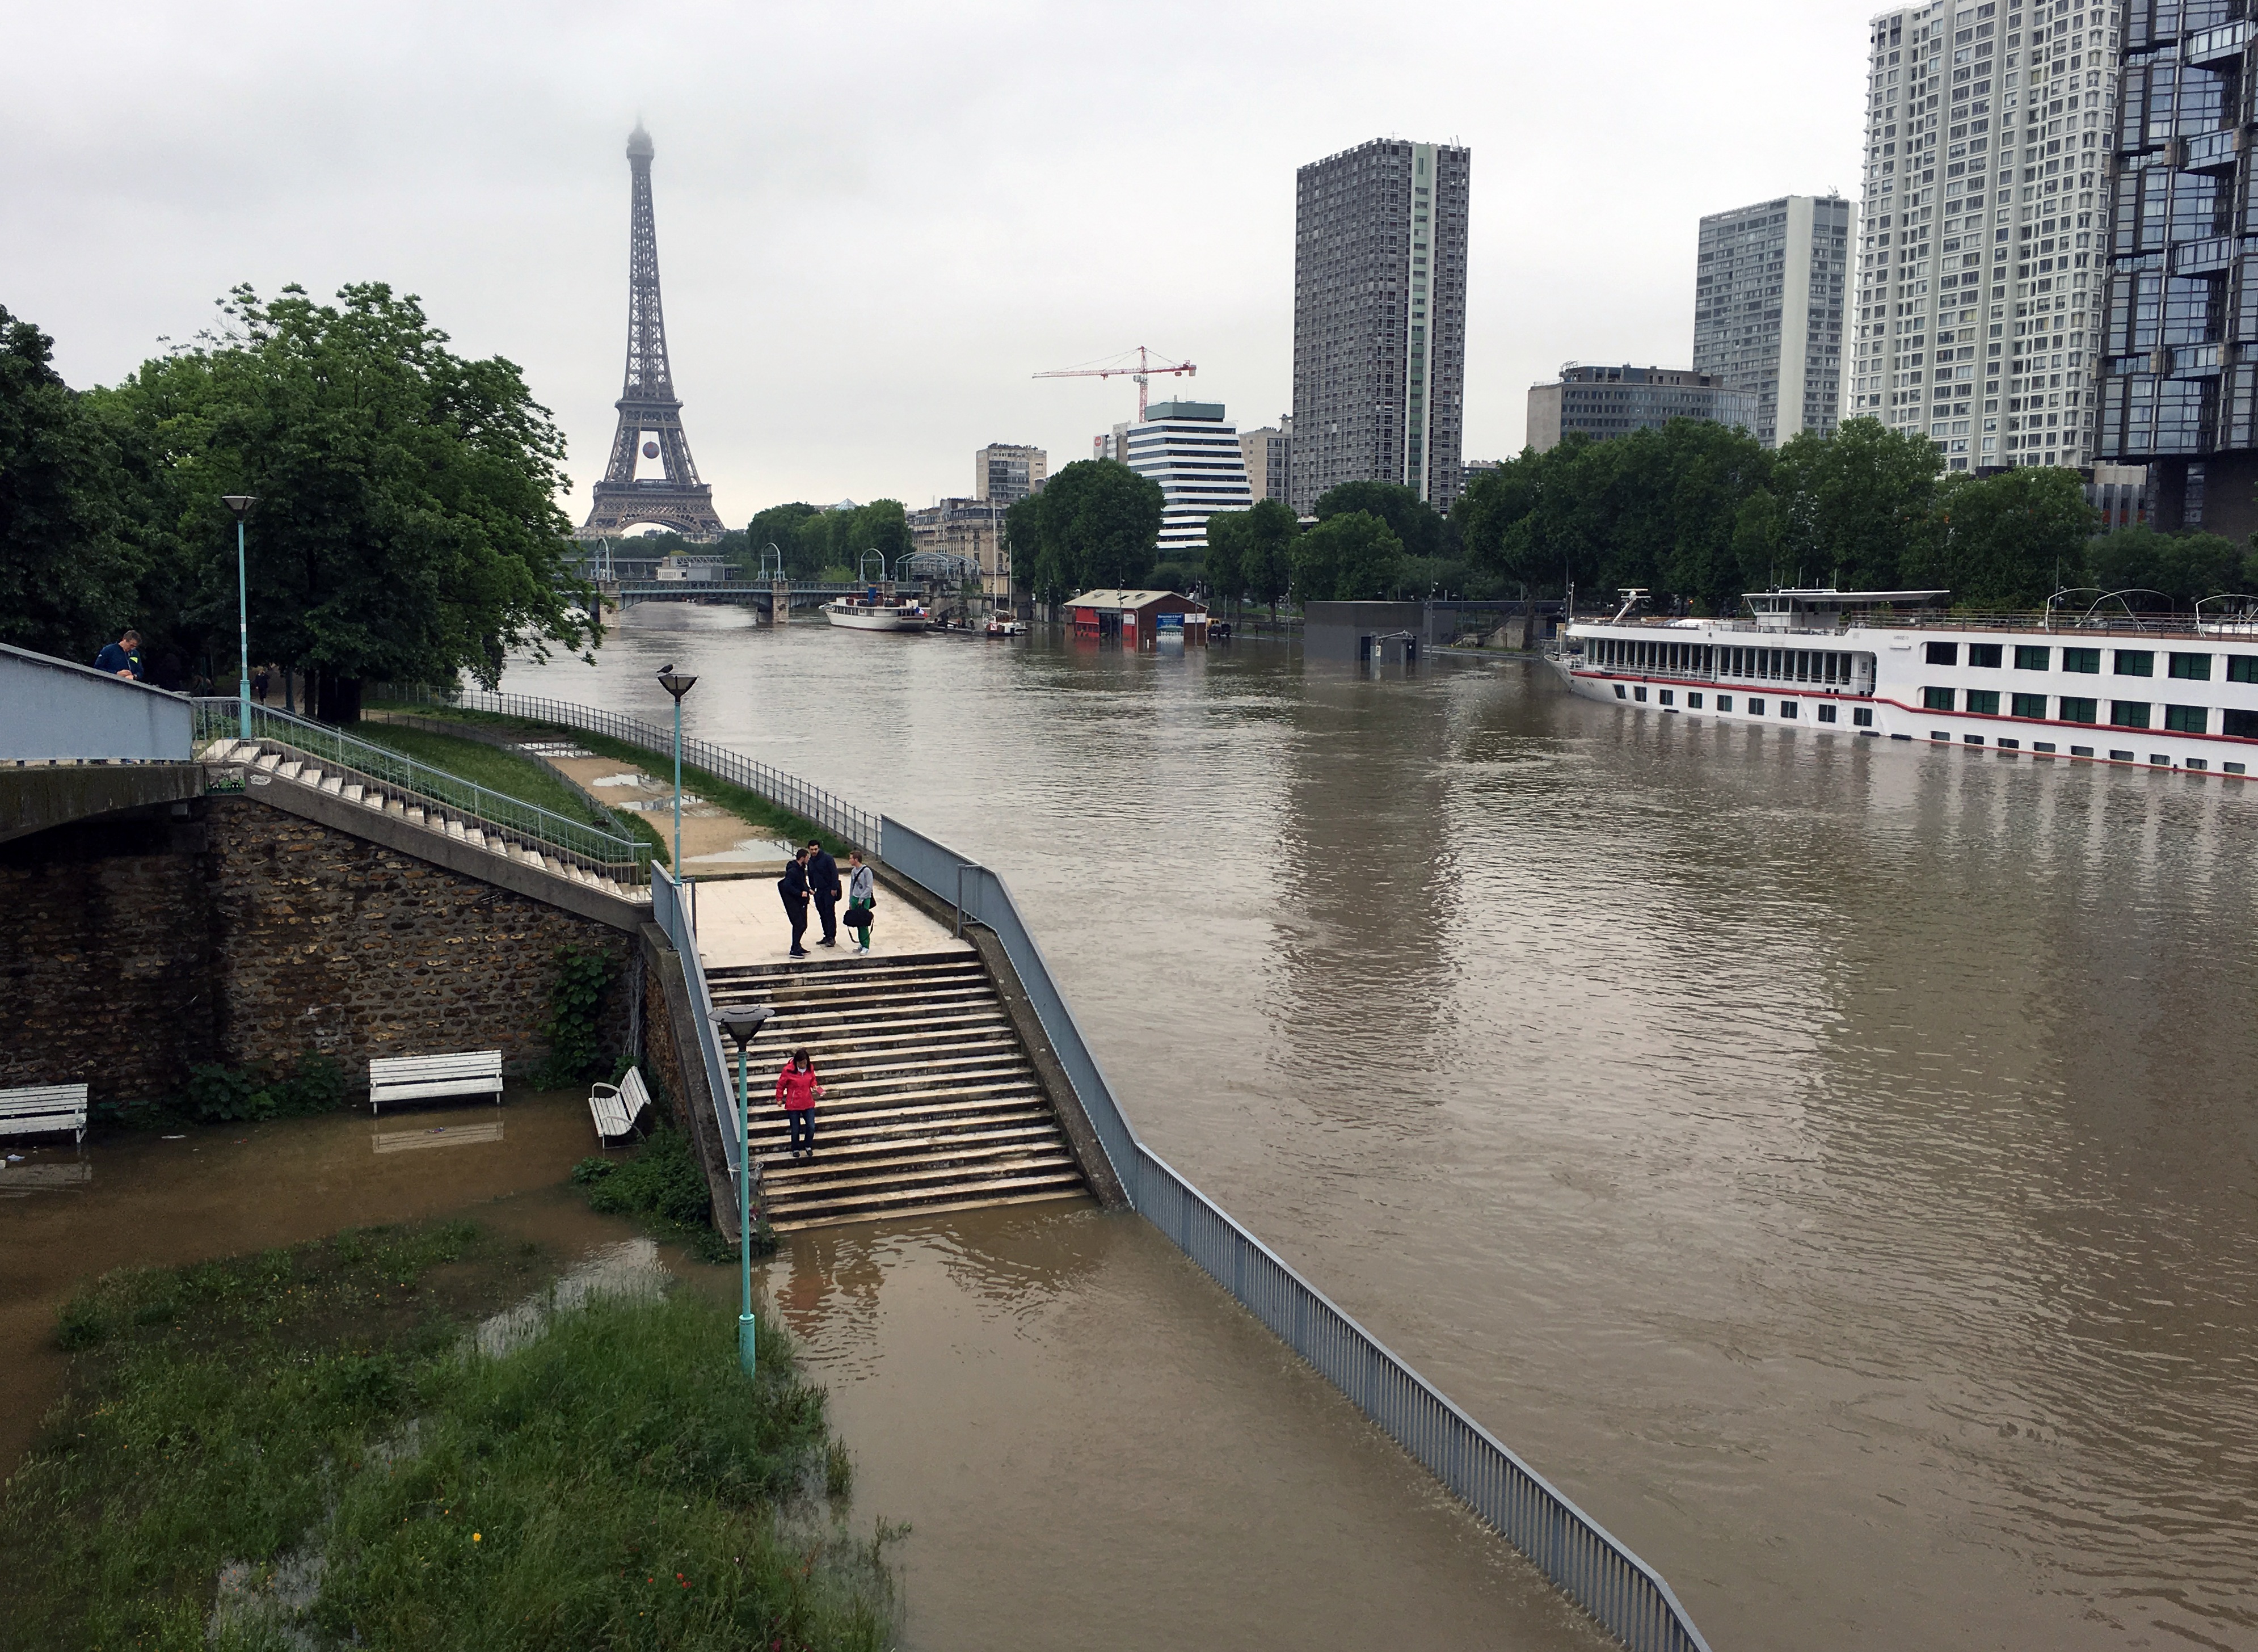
{"points": [[236, 932]]}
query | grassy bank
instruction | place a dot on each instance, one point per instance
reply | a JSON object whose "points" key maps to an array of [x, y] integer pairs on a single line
{"points": [[749, 806], [312, 1425]]}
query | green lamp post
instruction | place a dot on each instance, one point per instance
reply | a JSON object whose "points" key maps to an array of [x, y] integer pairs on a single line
{"points": [[743, 1022], [242, 505]]}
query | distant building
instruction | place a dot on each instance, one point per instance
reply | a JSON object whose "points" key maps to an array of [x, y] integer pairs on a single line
{"points": [[1268, 455], [1112, 445], [972, 528], [1473, 468], [1770, 286], [1380, 319], [1003, 474], [1604, 402], [1192, 452], [2119, 493], [1137, 618]]}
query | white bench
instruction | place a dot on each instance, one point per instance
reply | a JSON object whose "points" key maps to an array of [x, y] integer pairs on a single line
{"points": [[44, 1107], [415, 1078], [615, 1108]]}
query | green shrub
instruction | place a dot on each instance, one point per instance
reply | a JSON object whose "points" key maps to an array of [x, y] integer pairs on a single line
{"points": [[576, 997]]}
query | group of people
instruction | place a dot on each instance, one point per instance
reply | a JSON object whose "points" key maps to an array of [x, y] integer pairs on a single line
{"points": [[813, 876]]}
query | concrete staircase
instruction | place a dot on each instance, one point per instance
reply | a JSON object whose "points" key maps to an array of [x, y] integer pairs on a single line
{"points": [[297, 769], [930, 1102]]}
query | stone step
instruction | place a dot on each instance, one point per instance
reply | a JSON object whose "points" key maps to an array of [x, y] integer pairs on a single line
{"points": [[876, 1205], [907, 1135], [333, 784], [951, 1118], [889, 963], [938, 1207], [785, 1175], [805, 1180]]}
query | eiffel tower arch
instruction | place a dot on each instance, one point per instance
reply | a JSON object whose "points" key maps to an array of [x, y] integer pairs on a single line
{"points": [[651, 413]]}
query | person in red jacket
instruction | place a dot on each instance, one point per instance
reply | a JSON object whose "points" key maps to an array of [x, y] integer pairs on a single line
{"points": [[797, 1089]]}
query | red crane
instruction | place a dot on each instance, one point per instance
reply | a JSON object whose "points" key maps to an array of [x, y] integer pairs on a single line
{"points": [[1143, 368]]}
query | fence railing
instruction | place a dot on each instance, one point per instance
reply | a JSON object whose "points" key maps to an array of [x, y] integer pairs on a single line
{"points": [[58, 711], [621, 859], [812, 804], [674, 910], [1620, 1590]]}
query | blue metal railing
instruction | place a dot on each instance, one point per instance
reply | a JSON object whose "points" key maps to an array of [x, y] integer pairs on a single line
{"points": [[622, 860], [1620, 1590], [835, 816]]}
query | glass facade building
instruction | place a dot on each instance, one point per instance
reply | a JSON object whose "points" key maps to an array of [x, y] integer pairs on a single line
{"points": [[1983, 237], [1380, 319], [2179, 386], [1769, 285]]}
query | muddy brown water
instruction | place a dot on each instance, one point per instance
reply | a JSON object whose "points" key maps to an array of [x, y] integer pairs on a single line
{"points": [[1833, 1163]]}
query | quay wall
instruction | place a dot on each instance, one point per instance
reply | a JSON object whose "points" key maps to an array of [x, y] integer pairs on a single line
{"points": [[227, 929]]}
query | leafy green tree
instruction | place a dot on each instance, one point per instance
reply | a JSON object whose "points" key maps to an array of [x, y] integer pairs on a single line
{"points": [[779, 526], [1417, 525], [1097, 522], [1267, 566], [2006, 540], [1348, 558], [408, 525], [2185, 567], [70, 575], [1023, 537], [1228, 535], [1858, 502]]}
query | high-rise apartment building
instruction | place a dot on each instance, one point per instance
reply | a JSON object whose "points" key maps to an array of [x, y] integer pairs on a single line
{"points": [[1192, 452], [1979, 300], [1380, 319], [1003, 474], [1605, 402], [1268, 453], [2179, 383], [1770, 285]]}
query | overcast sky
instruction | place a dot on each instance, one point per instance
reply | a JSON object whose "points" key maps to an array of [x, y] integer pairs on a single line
{"points": [[875, 222]]}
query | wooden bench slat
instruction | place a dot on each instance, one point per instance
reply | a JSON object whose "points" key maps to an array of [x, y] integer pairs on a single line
{"points": [[38, 1108], [409, 1078], [615, 1108]]}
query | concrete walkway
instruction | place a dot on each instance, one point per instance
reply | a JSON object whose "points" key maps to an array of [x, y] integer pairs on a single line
{"points": [[712, 837], [741, 920]]}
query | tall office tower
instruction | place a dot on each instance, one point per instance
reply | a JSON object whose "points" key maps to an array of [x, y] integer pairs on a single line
{"points": [[1979, 299], [1192, 452], [1005, 474], [1268, 453], [1380, 319], [1769, 288], [2180, 383]]}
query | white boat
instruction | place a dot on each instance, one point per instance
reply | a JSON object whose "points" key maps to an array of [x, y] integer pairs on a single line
{"points": [[999, 626], [2159, 691], [874, 612]]}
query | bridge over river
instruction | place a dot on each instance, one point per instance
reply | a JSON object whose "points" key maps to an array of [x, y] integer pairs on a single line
{"points": [[762, 595]]}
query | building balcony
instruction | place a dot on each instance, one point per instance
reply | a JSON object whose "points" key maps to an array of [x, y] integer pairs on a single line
{"points": [[2214, 46], [2215, 152], [2212, 257]]}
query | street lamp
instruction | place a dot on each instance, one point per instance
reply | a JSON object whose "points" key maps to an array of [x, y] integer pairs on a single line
{"points": [[242, 505], [677, 686], [741, 1021]]}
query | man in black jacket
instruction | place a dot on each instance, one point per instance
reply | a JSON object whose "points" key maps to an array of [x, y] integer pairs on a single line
{"points": [[823, 884], [793, 887]]}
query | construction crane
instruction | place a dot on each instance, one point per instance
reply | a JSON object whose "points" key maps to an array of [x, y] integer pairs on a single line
{"points": [[1143, 368]]}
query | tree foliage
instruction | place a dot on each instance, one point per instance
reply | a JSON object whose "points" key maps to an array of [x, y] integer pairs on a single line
{"points": [[2184, 567], [821, 539], [779, 526], [1351, 557], [1093, 527], [1418, 526], [2008, 541], [1250, 553]]}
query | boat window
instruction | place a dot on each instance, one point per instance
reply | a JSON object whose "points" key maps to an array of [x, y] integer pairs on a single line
{"points": [[2029, 659], [2071, 709], [2085, 660], [1619, 691], [2239, 725], [1863, 716], [2199, 762], [2042, 745], [1984, 702], [2128, 713], [2187, 719], [1984, 654], [2194, 667], [1725, 702], [1668, 697], [1936, 699], [1826, 713], [1756, 708], [1694, 701], [2081, 751], [2242, 667], [1972, 740], [2029, 705], [1638, 693], [2136, 662], [2235, 769], [1943, 653]]}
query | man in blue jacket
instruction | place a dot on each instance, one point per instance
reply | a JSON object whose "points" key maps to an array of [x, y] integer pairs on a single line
{"points": [[823, 884], [122, 657]]}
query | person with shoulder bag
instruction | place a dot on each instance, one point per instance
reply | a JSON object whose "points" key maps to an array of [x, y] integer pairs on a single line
{"points": [[862, 900]]}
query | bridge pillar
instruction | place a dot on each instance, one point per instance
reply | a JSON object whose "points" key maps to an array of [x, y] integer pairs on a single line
{"points": [[780, 602]]}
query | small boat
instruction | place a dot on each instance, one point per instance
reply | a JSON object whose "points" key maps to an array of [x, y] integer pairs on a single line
{"points": [[874, 612], [999, 626]]}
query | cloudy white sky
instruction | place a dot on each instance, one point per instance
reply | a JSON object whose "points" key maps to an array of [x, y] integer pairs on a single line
{"points": [[875, 222]]}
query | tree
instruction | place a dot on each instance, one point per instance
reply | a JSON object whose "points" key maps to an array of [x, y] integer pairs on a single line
{"points": [[2185, 567], [70, 578], [1229, 536], [1023, 537], [1858, 502], [1416, 524], [1097, 522], [1348, 558], [779, 526], [2007, 541], [408, 525], [1266, 568]]}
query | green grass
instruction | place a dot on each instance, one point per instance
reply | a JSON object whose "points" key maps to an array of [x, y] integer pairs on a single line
{"points": [[508, 773], [614, 1482], [749, 806]]}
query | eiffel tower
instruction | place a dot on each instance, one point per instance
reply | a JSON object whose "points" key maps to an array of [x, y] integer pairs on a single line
{"points": [[651, 413]]}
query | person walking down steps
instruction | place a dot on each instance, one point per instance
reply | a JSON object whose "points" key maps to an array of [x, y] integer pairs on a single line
{"points": [[793, 887], [823, 884], [862, 900], [797, 1089]]}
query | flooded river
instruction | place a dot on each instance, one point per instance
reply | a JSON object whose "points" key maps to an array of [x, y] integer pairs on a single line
{"points": [[1835, 1164]]}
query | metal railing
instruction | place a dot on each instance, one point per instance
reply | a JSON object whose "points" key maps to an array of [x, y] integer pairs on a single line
{"points": [[679, 918], [812, 804], [1625, 1595], [619, 859]]}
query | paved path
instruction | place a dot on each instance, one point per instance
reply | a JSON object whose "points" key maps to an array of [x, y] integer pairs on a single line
{"points": [[741, 920]]}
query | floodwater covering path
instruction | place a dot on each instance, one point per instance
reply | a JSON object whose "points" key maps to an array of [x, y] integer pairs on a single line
{"points": [[1832, 1163]]}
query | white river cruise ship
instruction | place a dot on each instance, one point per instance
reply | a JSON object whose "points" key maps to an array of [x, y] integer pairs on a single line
{"points": [[2162, 691]]}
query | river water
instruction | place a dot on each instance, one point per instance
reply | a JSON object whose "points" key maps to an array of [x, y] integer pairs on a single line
{"points": [[1832, 1162]]}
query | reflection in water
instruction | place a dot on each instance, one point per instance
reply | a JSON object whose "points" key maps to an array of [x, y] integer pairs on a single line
{"points": [[1830, 1160], [403, 1141]]}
